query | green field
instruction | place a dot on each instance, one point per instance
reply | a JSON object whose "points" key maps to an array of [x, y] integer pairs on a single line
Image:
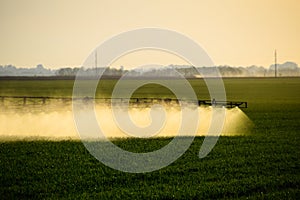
{"points": [[264, 164]]}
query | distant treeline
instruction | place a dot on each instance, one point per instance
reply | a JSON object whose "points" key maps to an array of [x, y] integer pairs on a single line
{"points": [[285, 69]]}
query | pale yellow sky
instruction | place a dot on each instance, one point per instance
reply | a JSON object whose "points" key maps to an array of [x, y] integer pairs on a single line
{"points": [[61, 33]]}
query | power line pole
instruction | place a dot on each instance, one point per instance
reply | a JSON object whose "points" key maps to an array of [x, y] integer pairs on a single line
{"points": [[275, 63], [96, 62]]}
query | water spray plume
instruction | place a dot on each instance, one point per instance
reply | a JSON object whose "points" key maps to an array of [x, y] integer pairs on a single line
{"points": [[46, 123]]}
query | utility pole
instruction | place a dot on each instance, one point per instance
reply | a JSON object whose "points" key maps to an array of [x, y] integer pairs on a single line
{"points": [[275, 63], [96, 62]]}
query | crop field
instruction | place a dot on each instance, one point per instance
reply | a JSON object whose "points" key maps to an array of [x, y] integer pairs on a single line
{"points": [[265, 164]]}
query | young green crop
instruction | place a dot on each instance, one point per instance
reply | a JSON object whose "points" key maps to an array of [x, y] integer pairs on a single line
{"points": [[264, 164]]}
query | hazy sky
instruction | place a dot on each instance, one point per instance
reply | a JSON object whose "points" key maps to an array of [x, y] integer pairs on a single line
{"points": [[61, 33]]}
